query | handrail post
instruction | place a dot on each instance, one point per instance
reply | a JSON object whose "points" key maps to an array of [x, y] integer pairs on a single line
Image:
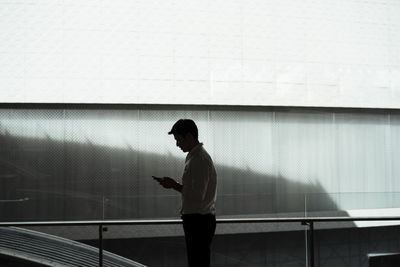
{"points": [[310, 242], [100, 245]]}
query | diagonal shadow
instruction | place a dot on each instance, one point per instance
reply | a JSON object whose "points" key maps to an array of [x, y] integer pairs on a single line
{"points": [[46, 179]]}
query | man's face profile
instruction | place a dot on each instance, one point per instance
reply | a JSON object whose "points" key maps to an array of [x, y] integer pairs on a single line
{"points": [[182, 142]]}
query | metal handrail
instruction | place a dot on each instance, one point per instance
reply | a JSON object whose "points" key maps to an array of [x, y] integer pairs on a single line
{"points": [[308, 221], [219, 220]]}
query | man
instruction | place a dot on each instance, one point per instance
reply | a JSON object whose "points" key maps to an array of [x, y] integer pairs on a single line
{"points": [[198, 189]]}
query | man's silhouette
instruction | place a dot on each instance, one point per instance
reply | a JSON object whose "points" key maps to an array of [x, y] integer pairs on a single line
{"points": [[198, 189]]}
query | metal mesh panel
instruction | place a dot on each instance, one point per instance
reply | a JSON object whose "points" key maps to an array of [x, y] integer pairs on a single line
{"points": [[71, 164]]}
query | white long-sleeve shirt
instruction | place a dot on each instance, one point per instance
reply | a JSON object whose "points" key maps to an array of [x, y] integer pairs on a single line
{"points": [[199, 181]]}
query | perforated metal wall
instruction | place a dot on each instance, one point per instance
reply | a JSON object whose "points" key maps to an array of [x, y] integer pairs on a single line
{"points": [[70, 164]]}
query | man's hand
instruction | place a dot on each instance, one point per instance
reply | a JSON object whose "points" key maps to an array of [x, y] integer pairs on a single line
{"points": [[168, 182]]}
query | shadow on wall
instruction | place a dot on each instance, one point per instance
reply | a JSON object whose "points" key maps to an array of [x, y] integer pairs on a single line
{"points": [[46, 179]]}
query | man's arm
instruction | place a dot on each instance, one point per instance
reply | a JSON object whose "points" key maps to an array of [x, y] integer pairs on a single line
{"points": [[168, 182]]}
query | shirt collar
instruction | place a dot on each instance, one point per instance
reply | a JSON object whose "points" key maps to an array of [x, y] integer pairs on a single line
{"points": [[195, 150]]}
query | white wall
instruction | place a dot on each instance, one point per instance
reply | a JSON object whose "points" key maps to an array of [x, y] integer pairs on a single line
{"points": [[341, 53]]}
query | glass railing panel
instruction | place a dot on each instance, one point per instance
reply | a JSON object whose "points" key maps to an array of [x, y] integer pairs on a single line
{"points": [[227, 206], [40, 206], [260, 205], [141, 207], [353, 204]]}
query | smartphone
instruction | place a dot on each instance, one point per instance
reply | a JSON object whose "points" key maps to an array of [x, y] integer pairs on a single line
{"points": [[158, 179]]}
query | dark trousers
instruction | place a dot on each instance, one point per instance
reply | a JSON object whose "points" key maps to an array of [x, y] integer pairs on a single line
{"points": [[199, 231]]}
